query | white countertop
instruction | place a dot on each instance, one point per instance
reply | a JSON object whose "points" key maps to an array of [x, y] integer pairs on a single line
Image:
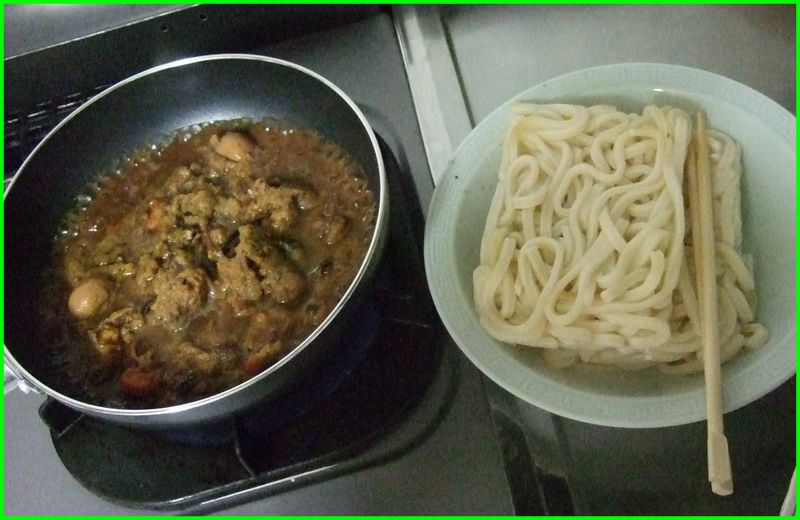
{"points": [[477, 57]]}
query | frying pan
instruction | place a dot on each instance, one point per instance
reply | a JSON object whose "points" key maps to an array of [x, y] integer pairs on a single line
{"points": [[146, 108]]}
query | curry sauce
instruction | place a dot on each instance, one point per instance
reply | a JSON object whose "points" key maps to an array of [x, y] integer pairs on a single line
{"points": [[200, 263]]}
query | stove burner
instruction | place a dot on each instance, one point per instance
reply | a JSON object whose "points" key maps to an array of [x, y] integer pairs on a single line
{"points": [[271, 415], [213, 434], [266, 418]]}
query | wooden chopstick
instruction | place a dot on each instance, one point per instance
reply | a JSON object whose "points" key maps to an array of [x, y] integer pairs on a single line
{"points": [[694, 209], [701, 209]]}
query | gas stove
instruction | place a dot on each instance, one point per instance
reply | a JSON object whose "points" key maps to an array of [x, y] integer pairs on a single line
{"points": [[397, 422], [401, 422]]}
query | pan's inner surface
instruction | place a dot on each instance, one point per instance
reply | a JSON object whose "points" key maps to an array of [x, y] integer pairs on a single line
{"points": [[145, 110]]}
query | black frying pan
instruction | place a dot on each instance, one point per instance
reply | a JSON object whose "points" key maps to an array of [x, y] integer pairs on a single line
{"points": [[143, 109]]}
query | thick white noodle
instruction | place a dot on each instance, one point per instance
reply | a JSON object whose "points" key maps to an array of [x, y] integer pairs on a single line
{"points": [[587, 249]]}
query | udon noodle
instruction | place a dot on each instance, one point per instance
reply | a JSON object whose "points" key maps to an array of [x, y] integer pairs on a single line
{"points": [[587, 250]]}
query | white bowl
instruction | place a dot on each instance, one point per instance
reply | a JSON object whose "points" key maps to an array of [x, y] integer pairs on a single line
{"points": [[607, 395]]}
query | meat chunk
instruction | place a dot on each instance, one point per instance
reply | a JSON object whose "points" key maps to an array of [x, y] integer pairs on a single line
{"points": [[177, 180], [228, 160], [74, 270], [177, 297], [238, 281], [233, 146], [196, 208], [188, 358], [116, 333], [146, 270], [215, 164], [265, 328], [216, 331], [181, 237], [108, 250], [229, 209], [215, 241], [280, 279], [256, 363], [159, 215], [259, 268], [263, 341], [119, 270], [218, 236], [278, 205]]}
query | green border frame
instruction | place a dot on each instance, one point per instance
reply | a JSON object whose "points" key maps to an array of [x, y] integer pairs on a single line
{"points": [[666, 2]]}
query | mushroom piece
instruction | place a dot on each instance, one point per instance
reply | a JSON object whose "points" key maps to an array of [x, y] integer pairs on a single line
{"points": [[87, 298]]}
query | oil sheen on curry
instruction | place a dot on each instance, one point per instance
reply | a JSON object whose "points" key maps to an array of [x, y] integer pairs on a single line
{"points": [[200, 263]]}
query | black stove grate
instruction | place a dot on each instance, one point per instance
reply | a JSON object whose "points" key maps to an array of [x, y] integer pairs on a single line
{"points": [[24, 129]]}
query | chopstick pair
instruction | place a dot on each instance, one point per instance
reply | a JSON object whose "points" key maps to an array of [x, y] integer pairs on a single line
{"points": [[698, 170]]}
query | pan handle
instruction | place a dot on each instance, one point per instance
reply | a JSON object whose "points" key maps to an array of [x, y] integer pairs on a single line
{"points": [[11, 381]]}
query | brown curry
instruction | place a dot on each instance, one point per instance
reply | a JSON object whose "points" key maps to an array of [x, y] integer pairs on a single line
{"points": [[201, 263]]}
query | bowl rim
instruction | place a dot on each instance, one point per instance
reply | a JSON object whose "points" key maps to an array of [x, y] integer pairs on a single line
{"points": [[681, 79]]}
